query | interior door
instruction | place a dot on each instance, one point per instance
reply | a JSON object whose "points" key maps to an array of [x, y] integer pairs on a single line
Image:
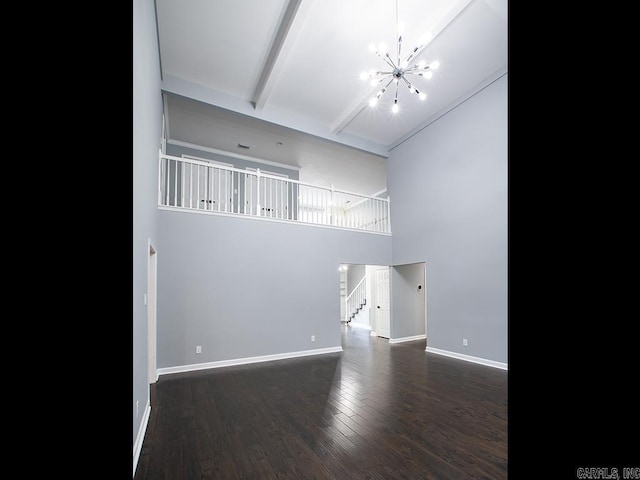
{"points": [[208, 187], [215, 188], [383, 303], [274, 195]]}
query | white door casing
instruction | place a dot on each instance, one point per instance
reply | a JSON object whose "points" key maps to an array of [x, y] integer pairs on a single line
{"points": [[383, 303], [343, 293], [151, 313]]}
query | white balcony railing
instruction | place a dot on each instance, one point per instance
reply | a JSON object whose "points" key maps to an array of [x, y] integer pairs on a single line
{"points": [[201, 186]]}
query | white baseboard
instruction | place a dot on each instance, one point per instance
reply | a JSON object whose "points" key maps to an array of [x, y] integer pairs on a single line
{"points": [[408, 339], [137, 446], [469, 358], [243, 361]]}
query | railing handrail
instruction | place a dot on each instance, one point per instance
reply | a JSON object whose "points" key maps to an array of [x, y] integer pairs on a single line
{"points": [[210, 165], [355, 288], [266, 175]]}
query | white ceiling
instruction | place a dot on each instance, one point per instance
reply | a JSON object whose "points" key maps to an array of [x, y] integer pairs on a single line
{"points": [[295, 64]]}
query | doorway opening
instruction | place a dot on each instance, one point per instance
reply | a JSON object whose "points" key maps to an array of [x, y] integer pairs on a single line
{"points": [[409, 291], [365, 298], [152, 277], [389, 301]]}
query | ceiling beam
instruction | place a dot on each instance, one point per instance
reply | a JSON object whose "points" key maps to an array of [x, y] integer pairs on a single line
{"points": [[290, 25], [355, 108]]}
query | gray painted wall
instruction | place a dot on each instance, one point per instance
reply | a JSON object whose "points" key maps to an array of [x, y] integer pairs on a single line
{"points": [[448, 188], [241, 287], [147, 131], [408, 306], [178, 150]]}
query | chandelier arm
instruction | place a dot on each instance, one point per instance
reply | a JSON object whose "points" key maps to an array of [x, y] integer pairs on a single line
{"points": [[419, 72], [415, 68], [388, 83], [384, 89], [411, 87], [379, 80], [398, 33], [388, 62], [381, 92], [412, 54]]}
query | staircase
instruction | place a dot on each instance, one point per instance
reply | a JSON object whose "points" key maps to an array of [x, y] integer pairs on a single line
{"points": [[357, 310]]}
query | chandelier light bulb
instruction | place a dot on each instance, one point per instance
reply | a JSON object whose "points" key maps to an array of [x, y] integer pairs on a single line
{"points": [[373, 102], [372, 48], [427, 74], [422, 64], [434, 65], [422, 96], [364, 76], [400, 28], [373, 82], [382, 48], [395, 108]]}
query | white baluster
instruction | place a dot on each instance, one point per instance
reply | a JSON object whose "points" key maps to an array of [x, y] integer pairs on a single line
{"points": [[258, 191]]}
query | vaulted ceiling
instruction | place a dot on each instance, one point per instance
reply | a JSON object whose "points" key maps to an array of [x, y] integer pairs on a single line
{"points": [[288, 71]]}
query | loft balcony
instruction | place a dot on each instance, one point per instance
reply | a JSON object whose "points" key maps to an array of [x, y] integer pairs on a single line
{"points": [[186, 184]]}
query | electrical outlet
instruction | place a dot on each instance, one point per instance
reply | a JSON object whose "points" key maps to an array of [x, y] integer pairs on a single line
{"points": [[313, 338], [199, 349], [465, 343], [137, 408]]}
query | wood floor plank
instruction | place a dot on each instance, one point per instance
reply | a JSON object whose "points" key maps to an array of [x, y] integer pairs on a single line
{"points": [[374, 411]]}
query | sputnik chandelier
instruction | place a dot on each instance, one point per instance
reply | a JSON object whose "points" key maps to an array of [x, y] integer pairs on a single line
{"points": [[399, 70]]}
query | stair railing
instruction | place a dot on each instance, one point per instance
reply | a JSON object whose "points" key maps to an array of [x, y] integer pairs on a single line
{"points": [[356, 300]]}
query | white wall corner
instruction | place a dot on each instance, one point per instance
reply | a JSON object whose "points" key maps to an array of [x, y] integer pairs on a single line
{"points": [[137, 446]]}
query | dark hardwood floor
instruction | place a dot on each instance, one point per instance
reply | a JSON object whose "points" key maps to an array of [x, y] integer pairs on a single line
{"points": [[373, 411]]}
